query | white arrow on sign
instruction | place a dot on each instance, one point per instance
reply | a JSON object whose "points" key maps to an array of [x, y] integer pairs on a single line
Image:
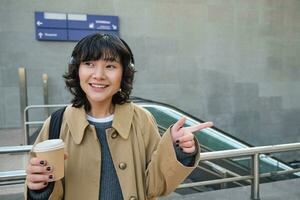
{"points": [[114, 26], [39, 23], [40, 35]]}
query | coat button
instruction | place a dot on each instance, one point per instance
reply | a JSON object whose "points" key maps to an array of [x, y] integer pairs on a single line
{"points": [[132, 198], [122, 165], [114, 135]]}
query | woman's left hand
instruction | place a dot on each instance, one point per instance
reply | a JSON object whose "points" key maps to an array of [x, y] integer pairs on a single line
{"points": [[184, 137]]}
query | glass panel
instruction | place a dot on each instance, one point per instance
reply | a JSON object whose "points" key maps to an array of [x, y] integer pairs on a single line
{"points": [[213, 140]]}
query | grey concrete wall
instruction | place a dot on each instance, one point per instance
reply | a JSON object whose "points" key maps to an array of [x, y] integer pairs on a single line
{"points": [[235, 62]]}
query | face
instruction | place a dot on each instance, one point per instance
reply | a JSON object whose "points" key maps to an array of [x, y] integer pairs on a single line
{"points": [[100, 80]]}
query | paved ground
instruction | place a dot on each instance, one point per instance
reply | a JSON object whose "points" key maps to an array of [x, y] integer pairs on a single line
{"points": [[281, 190]]}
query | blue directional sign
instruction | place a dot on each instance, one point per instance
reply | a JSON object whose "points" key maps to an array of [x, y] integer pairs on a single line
{"points": [[93, 22], [78, 21], [50, 20], [105, 23], [75, 35], [51, 34], [72, 27]]}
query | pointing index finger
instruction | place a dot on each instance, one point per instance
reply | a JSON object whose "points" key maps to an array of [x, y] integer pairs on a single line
{"points": [[179, 123], [199, 126]]}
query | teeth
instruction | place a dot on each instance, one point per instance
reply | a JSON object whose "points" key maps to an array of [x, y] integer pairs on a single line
{"points": [[98, 86]]}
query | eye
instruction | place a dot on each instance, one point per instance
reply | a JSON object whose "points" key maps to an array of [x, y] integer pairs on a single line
{"points": [[110, 67], [88, 64]]}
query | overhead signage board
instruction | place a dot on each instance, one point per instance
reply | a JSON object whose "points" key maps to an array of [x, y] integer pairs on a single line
{"points": [[72, 27], [93, 22]]}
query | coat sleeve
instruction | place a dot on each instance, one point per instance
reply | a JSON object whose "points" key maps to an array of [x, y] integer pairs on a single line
{"points": [[164, 172], [57, 192]]}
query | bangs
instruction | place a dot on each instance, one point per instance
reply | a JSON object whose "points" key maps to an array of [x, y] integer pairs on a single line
{"points": [[100, 49]]}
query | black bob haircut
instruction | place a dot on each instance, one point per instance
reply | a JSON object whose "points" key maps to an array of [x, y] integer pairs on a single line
{"points": [[105, 47]]}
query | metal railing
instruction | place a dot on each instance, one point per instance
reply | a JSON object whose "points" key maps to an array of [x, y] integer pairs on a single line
{"points": [[254, 152], [27, 123]]}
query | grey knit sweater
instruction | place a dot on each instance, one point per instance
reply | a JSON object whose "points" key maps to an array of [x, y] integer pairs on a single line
{"points": [[109, 182]]}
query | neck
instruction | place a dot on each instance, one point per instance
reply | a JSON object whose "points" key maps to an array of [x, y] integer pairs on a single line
{"points": [[103, 110]]}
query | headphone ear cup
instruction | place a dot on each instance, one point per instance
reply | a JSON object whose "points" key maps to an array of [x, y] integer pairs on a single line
{"points": [[72, 61]]}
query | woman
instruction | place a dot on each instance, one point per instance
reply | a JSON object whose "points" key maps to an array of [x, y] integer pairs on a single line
{"points": [[115, 150]]}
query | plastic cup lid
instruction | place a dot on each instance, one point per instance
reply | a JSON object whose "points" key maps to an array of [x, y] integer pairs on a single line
{"points": [[49, 145]]}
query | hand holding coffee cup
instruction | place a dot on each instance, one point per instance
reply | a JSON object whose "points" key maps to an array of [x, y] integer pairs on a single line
{"points": [[47, 166]]}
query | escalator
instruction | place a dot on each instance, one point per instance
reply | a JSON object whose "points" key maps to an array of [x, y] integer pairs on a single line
{"points": [[213, 139]]}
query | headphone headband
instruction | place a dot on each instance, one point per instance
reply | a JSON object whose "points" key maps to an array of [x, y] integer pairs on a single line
{"points": [[128, 48]]}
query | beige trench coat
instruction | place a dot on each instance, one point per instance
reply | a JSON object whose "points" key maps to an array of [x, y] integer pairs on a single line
{"points": [[145, 163]]}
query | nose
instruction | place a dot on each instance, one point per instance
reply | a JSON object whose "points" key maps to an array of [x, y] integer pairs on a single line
{"points": [[99, 72]]}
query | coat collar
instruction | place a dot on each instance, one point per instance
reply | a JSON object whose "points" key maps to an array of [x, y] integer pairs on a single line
{"points": [[77, 122], [123, 117]]}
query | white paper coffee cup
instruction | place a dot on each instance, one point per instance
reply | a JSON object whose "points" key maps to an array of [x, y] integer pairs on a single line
{"points": [[53, 152]]}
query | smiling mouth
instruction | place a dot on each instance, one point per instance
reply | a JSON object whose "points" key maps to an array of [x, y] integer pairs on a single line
{"points": [[98, 85]]}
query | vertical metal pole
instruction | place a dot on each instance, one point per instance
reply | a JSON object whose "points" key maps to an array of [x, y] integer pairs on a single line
{"points": [[224, 185], [255, 180], [23, 101], [45, 92]]}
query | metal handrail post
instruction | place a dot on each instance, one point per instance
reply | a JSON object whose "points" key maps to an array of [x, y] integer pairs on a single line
{"points": [[224, 185], [255, 180], [26, 129], [23, 99], [45, 94]]}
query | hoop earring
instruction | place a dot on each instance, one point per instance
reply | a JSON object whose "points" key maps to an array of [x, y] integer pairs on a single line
{"points": [[121, 93]]}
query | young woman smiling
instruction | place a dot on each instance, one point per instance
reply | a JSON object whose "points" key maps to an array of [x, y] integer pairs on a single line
{"points": [[114, 147]]}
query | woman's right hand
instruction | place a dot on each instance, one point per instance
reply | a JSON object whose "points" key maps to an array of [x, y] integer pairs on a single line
{"points": [[39, 173]]}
